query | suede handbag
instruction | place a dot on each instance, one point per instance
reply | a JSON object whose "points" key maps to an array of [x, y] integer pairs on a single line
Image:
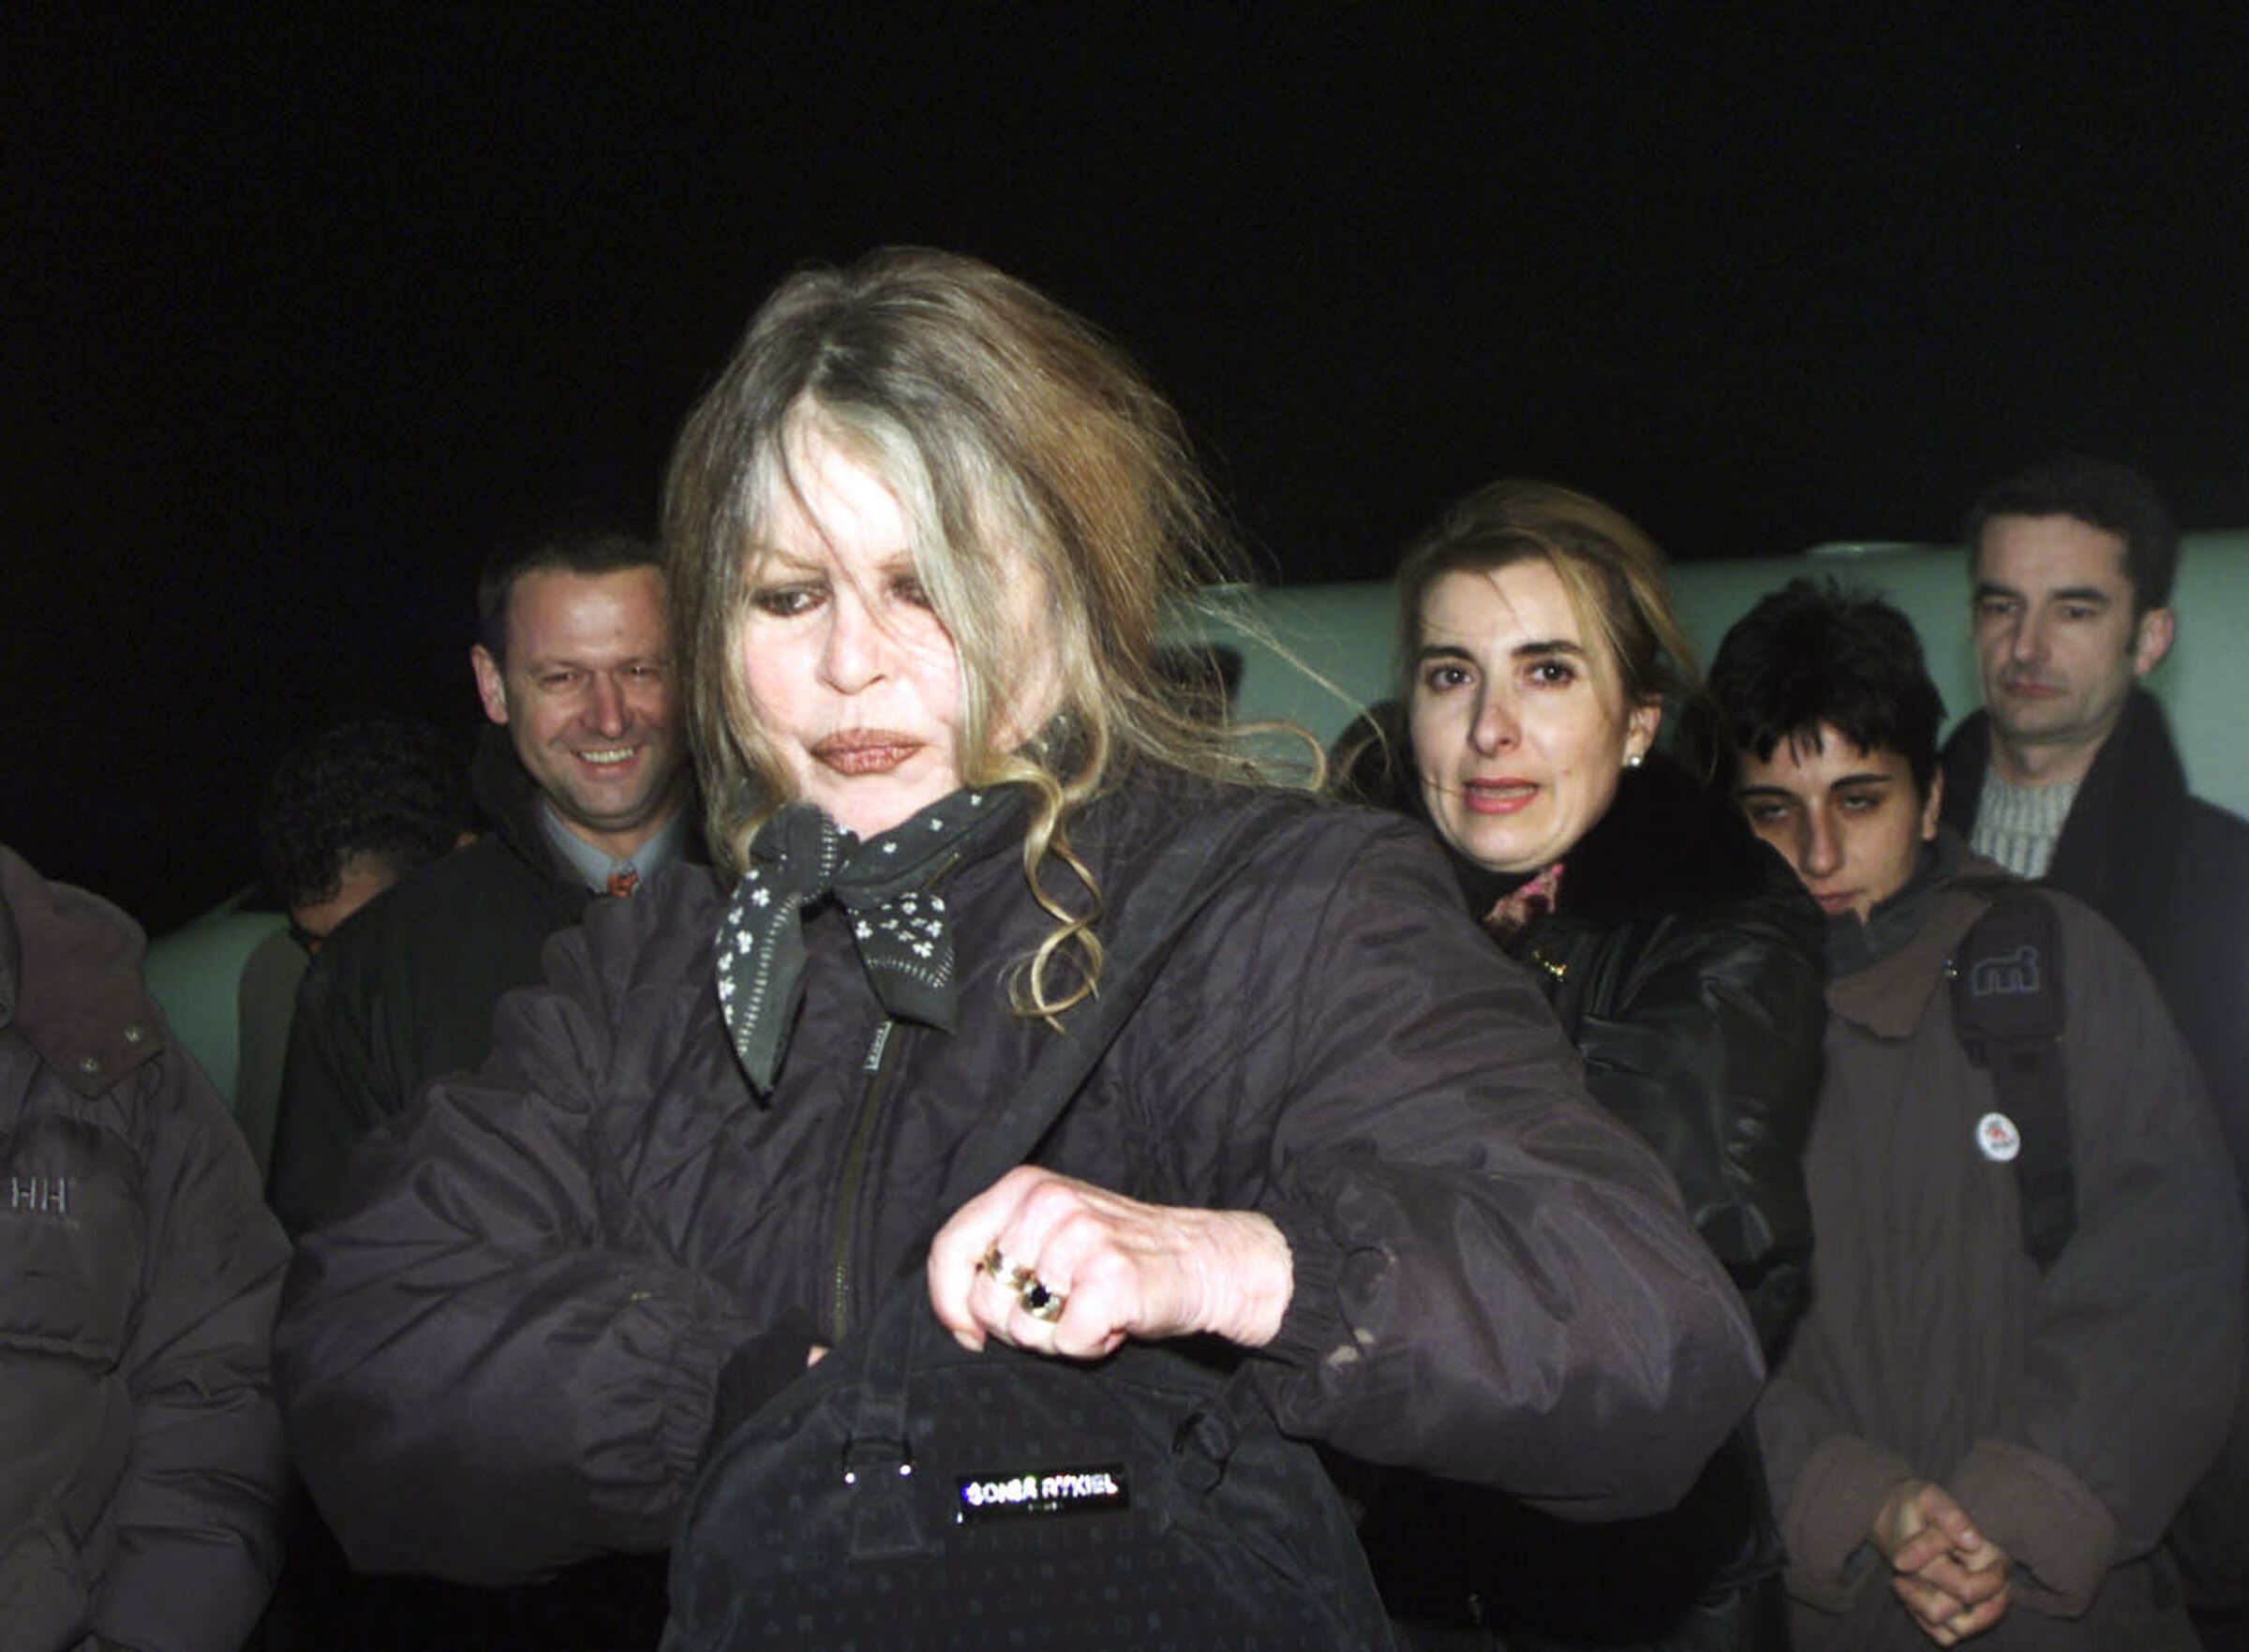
{"points": [[906, 1494]]}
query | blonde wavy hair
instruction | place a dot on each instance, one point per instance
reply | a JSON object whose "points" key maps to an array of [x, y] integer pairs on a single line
{"points": [[1010, 432]]}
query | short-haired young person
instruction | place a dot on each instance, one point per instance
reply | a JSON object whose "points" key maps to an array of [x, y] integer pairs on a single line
{"points": [[1963, 1443]]}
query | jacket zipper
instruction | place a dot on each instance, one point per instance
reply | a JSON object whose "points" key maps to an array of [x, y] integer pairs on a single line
{"points": [[859, 1150], [856, 1153]]}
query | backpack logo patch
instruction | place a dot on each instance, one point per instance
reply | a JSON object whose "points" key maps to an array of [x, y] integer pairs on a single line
{"points": [[2005, 975]]}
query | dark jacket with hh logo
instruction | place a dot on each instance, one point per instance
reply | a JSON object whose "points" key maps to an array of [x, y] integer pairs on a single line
{"points": [[141, 1463]]}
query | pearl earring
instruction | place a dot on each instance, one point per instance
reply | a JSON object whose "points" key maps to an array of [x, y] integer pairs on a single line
{"points": [[1635, 760]]}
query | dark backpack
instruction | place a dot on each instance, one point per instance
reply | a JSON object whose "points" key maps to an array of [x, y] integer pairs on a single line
{"points": [[2006, 1006]]}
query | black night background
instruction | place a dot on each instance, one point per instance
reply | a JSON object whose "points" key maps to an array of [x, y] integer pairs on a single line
{"points": [[307, 306]]}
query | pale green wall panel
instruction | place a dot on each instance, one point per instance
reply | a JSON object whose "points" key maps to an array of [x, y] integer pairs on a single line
{"points": [[1344, 633]]}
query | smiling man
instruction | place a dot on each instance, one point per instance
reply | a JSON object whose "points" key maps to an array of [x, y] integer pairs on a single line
{"points": [[2010, 1375], [579, 673], [583, 778]]}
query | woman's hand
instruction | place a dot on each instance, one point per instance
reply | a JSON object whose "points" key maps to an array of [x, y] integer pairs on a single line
{"points": [[1061, 1266]]}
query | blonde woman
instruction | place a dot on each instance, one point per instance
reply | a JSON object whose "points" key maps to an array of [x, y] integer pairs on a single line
{"points": [[922, 528]]}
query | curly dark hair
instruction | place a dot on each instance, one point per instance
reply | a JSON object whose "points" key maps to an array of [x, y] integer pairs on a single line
{"points": [[382, 786]]}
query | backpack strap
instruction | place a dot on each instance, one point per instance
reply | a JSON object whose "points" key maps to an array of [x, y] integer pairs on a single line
{"points": [[2006, 1006]]}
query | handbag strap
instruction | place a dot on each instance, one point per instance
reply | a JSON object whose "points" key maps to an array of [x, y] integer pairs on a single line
{"points": [[1191, 869]]}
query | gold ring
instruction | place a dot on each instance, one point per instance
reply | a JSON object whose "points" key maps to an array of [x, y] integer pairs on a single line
{"points": [[1010, 1273]]}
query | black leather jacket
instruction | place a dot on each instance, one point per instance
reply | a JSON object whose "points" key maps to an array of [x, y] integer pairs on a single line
{"points": [[1687, 965]]}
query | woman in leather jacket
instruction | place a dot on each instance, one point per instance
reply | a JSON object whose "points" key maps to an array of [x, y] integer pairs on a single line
{"points": [[1538, 645]]}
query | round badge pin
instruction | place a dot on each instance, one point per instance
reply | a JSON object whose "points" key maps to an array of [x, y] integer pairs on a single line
{"points": [[1997, 1139]]}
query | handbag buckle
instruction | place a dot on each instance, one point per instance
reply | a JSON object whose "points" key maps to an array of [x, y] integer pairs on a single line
{"points": [[876, 1458], [885, 1520]]}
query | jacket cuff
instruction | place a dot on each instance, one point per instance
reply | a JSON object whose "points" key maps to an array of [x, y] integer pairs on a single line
{"points": [[2060, 1537], [1313, 1326], [700, 1352], [1838, 1492]]}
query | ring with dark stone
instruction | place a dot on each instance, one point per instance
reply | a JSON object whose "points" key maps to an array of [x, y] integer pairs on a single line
{"points": [[1040, 1303]]}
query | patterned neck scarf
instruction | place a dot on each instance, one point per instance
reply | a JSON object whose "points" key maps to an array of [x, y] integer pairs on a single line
{"points": [[800, 858], [1524, 905]]}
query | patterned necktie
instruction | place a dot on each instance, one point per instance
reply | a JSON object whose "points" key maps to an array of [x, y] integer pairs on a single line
{"points": [[623, 881], [800, 858]]}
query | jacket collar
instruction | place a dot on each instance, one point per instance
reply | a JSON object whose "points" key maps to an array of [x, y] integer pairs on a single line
{"points": [[2135, 780], [81, 1006], [1665, 843], [510, 800], [1887, 997]]}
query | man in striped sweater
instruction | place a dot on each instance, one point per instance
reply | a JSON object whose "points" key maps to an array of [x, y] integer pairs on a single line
{"points": [[2069, 775]]}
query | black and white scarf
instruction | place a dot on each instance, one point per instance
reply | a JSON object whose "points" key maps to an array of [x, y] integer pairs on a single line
{"points": [[801, 858]]}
